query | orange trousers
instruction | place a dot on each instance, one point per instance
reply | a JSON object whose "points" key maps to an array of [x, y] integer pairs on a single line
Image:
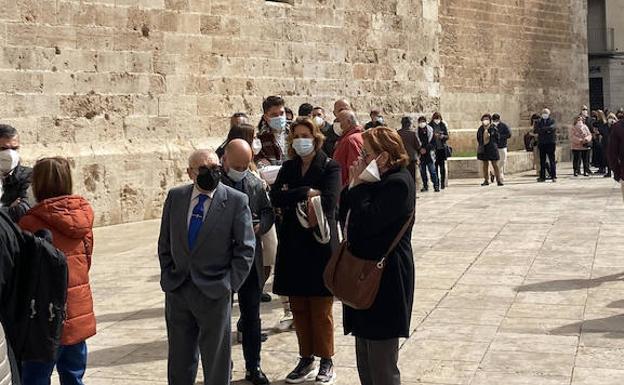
{"points": [[314, 324]]}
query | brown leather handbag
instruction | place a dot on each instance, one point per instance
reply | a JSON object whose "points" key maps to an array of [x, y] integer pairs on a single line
{"points": [[355, 281]]}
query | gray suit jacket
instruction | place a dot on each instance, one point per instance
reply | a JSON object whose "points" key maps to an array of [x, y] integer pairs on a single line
{"points": [[224, 251]]}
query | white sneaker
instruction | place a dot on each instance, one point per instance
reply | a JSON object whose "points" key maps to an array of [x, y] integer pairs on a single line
{"points": [[285, 323]]}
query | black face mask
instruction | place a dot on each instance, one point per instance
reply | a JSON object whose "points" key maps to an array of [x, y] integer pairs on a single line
{"points": [[208, 178]]}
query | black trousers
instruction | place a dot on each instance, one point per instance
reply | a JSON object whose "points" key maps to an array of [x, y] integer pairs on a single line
{"points": [[441, 166], [578, 156], [548, 150], [249, 323]]}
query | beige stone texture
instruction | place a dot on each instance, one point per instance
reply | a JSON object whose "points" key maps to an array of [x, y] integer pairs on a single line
{"points": [[127, 88]]}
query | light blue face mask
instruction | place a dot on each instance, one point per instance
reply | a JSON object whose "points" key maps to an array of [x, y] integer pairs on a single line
{"points": [[303, 146], [237, 176], [278, 123]]}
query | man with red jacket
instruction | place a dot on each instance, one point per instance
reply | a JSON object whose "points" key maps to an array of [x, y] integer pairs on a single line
{"points": [[615, 152], [350, 144]]}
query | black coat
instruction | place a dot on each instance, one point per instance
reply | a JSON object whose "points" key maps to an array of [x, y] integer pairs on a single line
{"points": [[546, 131], [378, 211], [261, 213], [504, 134], [490, 152], [301, 260], [330, 139], [15, 186]]}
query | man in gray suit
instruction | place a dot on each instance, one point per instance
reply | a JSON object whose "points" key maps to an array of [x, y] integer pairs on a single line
{"points": [[206, 250]]}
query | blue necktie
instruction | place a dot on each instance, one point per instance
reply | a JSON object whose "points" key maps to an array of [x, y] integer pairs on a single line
{"points": [[197, 220]]}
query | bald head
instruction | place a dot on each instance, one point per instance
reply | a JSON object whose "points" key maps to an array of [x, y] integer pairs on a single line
{"points": [[348, 120], [238, 155], [341, 105]]}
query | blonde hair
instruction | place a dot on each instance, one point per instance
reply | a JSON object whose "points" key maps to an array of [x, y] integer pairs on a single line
{"points": [[384, 139], [315, 130]]}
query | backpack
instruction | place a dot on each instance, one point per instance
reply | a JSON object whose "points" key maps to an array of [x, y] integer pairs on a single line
{"points": [[33, 306], [529, 142]]}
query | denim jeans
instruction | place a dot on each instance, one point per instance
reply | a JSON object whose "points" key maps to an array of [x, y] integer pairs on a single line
{"points": [[432, 171], [71, 364]]}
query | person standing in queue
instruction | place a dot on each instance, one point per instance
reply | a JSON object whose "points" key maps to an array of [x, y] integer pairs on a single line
{"points": [[379, 201], [547, 143], [301, 257], [487, 149], [206, 250]]}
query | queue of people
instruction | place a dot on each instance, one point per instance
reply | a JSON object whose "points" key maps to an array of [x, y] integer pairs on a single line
{"points": [[283, 173]]}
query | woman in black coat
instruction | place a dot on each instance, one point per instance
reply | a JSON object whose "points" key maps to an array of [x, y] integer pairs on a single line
{"points": [[376, 206], [487, 149], [441, 137], [301, 258]]}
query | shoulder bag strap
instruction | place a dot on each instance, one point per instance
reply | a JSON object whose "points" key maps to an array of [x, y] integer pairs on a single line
{"points": [[396, 241]]}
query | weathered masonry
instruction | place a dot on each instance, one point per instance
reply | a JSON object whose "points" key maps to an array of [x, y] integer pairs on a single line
{"points": [[126, 88]]}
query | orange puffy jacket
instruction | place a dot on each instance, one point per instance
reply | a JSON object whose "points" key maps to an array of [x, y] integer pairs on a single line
{"points": [[70, 219]]}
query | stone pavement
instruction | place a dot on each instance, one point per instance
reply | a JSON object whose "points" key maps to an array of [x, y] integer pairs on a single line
{"points": [[521, 284]]}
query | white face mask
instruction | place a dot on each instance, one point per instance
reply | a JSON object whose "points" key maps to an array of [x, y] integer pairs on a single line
{"points": [[9, 159], [337, 128], [237, 176], [422, 124], [256, 146], [485, 122], [611, 121], [319, 121], [437, 121], [545, 116], [584, 113], [371, 173], [303, 146]]}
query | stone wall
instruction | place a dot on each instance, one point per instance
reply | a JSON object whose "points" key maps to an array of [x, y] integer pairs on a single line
{"points": [[127, 88], [512, 57]]}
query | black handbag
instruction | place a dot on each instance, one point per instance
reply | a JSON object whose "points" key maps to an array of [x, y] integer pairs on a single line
{"points": [[448, 150]]}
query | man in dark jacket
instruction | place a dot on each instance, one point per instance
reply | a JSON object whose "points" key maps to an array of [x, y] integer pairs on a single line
{"points": [[238, 156], [318, 115], [615, 152], [547, 143], [411, 143], [15, 179], [504, 133]]}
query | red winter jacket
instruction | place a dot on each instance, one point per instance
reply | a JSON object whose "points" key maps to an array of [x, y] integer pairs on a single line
{"points": [[348, 150], [70, 219]]}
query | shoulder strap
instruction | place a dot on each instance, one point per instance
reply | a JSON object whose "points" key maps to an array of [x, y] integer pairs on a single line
{"points": [[397, 239]]}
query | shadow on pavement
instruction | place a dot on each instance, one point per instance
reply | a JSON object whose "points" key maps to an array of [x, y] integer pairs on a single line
{"points": [[570, 284], [158, 312], [611, 327], [128, 354]]}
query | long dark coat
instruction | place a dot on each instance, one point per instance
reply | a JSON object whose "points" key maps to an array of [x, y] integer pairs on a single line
{"points": [[301, 259], [378, 211], [491, 146]]}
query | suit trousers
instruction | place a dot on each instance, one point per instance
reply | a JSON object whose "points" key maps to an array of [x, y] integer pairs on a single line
{"points": [[377, 361], [249, 303], [198, 324], [548, 151], [314, 324]]}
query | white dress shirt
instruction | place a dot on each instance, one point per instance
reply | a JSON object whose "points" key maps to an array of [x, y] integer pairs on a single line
{"points": [[195, 199]]}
